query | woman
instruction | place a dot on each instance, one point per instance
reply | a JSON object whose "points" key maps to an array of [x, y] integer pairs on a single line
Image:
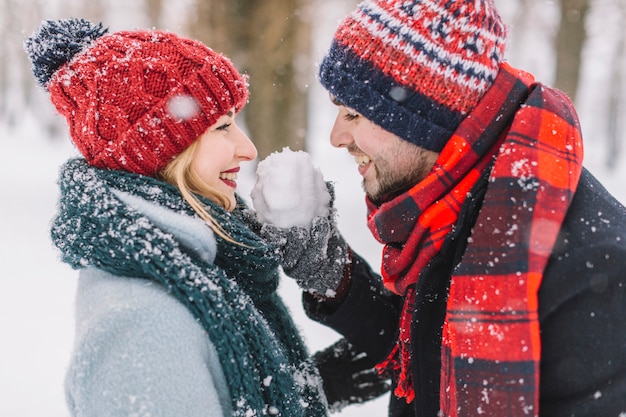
{"points": [[176, 310]]}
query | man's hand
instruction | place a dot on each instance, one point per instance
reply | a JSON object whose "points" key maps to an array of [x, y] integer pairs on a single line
{"points": [[348, 376]]}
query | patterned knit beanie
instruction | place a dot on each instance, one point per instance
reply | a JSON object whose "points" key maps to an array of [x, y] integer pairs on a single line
{"points": [[415, 68], [133, 100]]}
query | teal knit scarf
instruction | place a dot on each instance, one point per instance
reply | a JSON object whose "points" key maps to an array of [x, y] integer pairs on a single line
{"points": [[264, 359]]}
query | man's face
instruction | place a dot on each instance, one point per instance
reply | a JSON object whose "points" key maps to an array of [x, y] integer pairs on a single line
{"points": [[389, 165]]}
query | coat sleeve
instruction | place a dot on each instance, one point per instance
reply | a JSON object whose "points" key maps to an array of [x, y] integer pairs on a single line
{"points": [[138, 351], [367, 316]]}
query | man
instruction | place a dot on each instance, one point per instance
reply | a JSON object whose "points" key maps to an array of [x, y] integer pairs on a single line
{"points": [[504, 261]]}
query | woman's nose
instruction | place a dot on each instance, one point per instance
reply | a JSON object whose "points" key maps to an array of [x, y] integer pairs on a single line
{"points": [[246, 149]]}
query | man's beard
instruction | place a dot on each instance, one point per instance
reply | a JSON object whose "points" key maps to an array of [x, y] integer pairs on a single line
{"points": [[390, 182]]}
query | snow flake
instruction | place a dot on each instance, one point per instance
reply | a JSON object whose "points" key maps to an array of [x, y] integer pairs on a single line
{"points": [[182, 107]]}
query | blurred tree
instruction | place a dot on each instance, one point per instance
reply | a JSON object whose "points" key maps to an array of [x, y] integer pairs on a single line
{"points": [[16, 88], [94, 10], [617, 108], [154, 8], [270, 41], [570, 40], [4, 60]]}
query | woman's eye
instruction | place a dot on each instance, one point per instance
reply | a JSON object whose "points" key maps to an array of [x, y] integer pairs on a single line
{"points": [[224, 126]]}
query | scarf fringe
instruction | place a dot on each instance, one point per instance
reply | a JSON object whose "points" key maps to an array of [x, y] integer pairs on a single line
{"points": [[404, 387]]}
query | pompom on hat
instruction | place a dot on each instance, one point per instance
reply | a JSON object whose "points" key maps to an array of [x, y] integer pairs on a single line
{"points": [[133, 100], [415, 68]]}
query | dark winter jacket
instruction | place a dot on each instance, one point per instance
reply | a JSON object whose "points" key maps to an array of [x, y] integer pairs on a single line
{"points": [[582, 311]]}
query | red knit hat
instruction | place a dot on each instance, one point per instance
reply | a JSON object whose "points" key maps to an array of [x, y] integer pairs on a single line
{"points": [[133, 100]]}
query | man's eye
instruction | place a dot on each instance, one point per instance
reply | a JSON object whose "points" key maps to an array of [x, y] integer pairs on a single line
{"points": [[350, 116]]}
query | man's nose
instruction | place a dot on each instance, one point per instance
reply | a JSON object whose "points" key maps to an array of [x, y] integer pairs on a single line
{"points": [[340, 136]]}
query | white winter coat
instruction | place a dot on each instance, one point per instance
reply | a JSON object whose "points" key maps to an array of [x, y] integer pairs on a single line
{"points": [[138, 351]]}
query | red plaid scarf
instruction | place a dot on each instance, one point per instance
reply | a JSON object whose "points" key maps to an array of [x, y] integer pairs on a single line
{"points": [[490, 345]]}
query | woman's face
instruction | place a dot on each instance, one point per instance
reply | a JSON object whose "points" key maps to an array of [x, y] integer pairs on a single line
{"points": [[220, 151]]}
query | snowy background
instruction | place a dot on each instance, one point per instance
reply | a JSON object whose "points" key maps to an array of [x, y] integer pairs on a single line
{"points": [[36, 296]]}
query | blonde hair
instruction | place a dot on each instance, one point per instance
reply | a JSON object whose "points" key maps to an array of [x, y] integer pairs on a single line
{"points": [[180, 174]]}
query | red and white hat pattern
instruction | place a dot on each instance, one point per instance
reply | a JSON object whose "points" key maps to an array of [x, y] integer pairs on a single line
{"points": [[416, 68]]}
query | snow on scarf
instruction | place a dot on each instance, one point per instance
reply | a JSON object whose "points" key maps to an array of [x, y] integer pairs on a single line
{"points": [[235, 300], [491, 342]]}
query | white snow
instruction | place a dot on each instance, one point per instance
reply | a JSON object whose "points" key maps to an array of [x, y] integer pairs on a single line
{"points": [[183, 107], [36, 297], [289, 190]]}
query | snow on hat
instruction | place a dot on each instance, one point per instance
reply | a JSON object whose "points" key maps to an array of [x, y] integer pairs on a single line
{"points": [[133, 100], [415, 68]]}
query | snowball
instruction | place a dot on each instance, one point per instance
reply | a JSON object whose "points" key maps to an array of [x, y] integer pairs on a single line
{"points": [[183, 107], [289, 190]]}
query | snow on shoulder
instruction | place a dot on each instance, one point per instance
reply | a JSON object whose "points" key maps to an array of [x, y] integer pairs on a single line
{"points": [[289, 190]]}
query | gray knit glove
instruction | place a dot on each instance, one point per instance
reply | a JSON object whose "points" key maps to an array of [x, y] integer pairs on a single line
{"points": [[316, 259]]}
